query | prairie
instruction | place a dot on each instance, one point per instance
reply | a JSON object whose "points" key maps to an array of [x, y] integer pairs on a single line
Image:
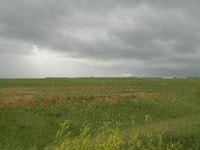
{"points": [[31, 110]]}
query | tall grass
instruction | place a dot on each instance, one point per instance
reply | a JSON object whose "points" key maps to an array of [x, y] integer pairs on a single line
{"points": [[112, 139]]}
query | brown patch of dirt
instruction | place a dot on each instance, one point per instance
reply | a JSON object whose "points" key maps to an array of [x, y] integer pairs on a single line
{"points": [[146, 94], [28, 100], [149, 95]]}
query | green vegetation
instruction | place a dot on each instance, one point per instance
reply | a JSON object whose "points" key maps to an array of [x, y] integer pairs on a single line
{"points": [[110, 138], [31, 111]]}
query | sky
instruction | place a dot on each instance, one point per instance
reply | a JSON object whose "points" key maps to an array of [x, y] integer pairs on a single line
{"points": [[100, 38]]}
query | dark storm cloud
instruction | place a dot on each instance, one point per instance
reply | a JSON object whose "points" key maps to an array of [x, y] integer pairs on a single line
{"points": [[127, 36]]}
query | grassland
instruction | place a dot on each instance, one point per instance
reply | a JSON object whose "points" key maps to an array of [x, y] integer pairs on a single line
{"points": [[31, 110]]}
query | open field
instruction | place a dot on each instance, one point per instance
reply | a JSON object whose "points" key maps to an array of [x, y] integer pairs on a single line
{"points": [[31, 110]]}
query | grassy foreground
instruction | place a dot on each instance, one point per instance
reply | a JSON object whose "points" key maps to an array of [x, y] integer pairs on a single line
{"points": [[31, 111]]}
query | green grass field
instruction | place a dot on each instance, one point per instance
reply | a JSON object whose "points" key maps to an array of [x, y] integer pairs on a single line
{"points": [[31, 110]]}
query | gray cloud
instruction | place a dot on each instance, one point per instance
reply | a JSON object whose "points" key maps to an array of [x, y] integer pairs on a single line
{"points": [[107, 38]]}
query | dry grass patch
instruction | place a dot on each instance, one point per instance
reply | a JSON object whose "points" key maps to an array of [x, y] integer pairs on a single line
{"points": [[27, 100]]}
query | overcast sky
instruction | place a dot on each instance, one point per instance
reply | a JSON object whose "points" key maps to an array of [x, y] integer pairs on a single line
{"points": [[70, 38]]}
